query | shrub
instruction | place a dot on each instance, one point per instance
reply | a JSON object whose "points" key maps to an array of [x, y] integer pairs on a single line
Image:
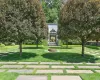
{"points": [[29, 42], [2, 45], [13, 44], [7, 43], [60, 42], [44, 42]]}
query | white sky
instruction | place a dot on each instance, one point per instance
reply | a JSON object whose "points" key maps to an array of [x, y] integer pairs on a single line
{"points": [[52, 26]]}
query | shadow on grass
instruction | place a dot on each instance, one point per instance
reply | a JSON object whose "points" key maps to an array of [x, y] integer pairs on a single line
{"points": [[93, 47], [61, 47], [33, 48], [16, 57], [70, 57], [3, 54]]}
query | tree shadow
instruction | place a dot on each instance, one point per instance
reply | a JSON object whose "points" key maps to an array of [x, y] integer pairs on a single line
{"points": [[33, 48], [3, 54], [14, 56], [70, 57], [61, 47], [93, 47]]}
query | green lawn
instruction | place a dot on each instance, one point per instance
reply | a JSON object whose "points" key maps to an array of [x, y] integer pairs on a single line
{"points": [[8, 76], [95, 76], [31, 53]]}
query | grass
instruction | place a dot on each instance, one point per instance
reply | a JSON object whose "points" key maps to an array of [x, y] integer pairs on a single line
{"points": [[13, 76], [8, 76], [4, 49], [93, 47], [70, 57], [95, 76], [31, 53]]}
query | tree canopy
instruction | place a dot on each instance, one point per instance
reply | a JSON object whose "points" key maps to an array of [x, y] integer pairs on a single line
{"points": [[22, 20], [51, 9], [78, 18]]}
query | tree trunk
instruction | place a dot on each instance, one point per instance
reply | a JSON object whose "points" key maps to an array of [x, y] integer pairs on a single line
{"points": [[20, 48], [66, 43], [97, 42], [83, 46], [37, 42]]}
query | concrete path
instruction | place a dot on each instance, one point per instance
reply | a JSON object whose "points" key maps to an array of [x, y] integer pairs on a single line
{"points": [[56, 70]]}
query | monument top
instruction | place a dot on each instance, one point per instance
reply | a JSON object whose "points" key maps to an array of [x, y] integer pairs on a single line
{"points": [[53, 27]]}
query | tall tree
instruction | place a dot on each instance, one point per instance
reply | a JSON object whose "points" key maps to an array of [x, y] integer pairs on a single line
{"points": [[78, 18], [15, 22], [37, 17], [21, 18]]}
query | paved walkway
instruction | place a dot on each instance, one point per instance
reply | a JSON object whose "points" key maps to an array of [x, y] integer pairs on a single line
{"points": [[58, 70]]}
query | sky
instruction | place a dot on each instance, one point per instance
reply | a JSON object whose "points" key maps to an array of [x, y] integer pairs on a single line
{"points": [[52, 26]]}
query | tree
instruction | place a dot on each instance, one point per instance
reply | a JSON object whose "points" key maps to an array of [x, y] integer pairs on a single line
{"points": [[39, 27], [78, 18], [21, 17], [51, 9], [15, 22]]}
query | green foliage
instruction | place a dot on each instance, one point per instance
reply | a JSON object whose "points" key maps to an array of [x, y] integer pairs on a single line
{"points": [[45, 42], [75, 42], [22, 20], [13, 44], [60, 42], [51, 9], [2, 45], [17, 26], [70, 42], [8, 43], [78, 19], [29, 42]]}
